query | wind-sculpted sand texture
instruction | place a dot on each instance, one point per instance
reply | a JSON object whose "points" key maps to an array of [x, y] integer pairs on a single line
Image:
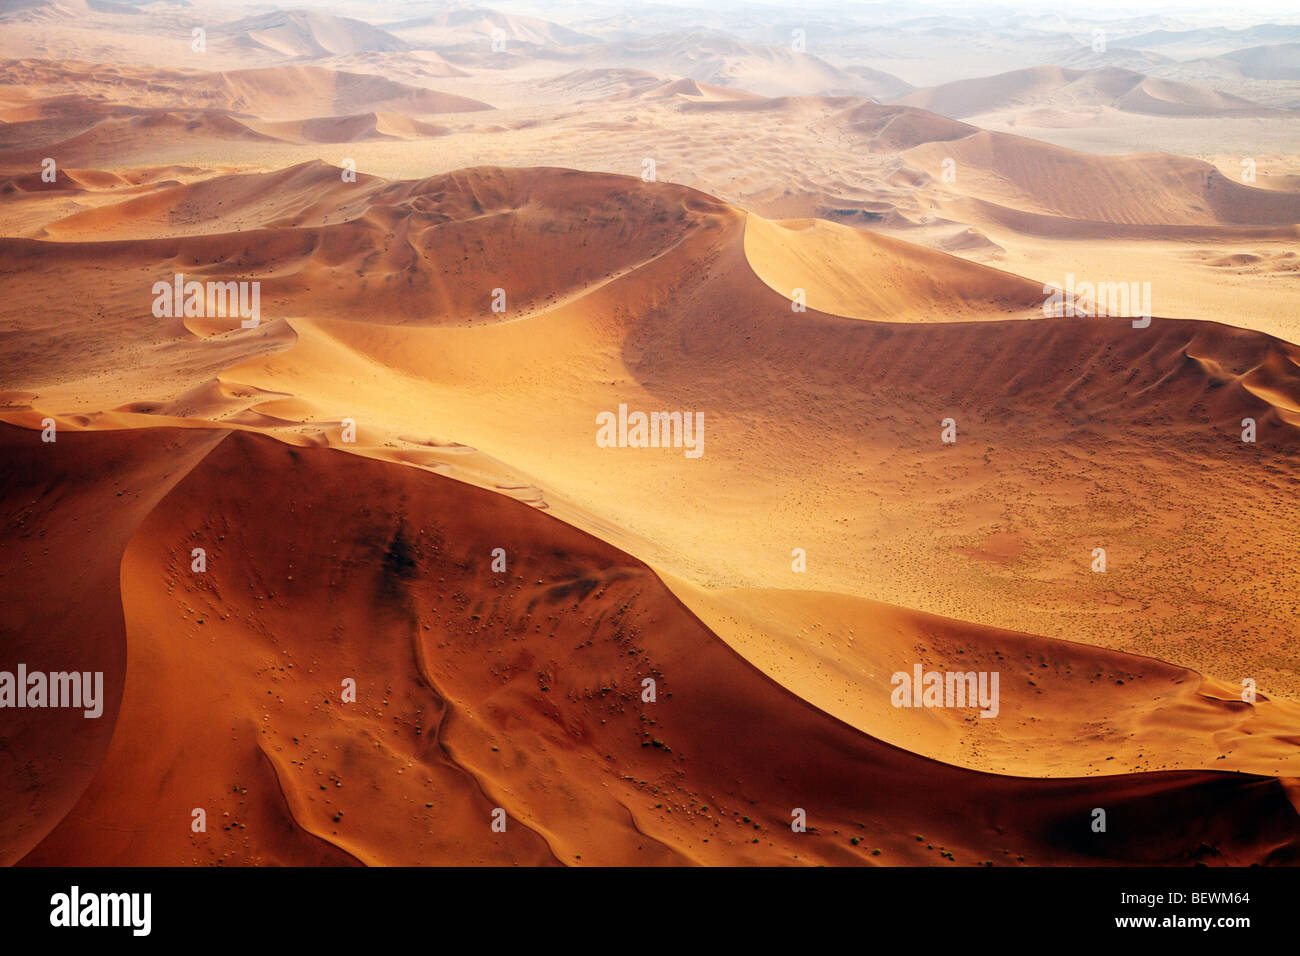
{"points": [[321, 357]]}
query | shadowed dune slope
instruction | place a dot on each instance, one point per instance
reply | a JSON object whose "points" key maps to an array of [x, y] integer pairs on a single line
{"points": [[67, 511]]}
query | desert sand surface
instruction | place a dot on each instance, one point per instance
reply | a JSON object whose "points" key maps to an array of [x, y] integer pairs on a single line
{"points": [[472, 233]]}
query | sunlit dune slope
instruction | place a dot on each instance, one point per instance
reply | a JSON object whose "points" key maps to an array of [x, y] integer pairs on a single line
{"points": [[1065, 709], [853, 272]]}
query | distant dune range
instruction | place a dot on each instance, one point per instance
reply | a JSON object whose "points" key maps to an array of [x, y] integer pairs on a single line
{"points": [[1039, 187], [1277, 61], [279, 92], [1057, 87], [717, 59], [471, 30], [1269, 73], [999, 181], [307, 33], [824, 359]]}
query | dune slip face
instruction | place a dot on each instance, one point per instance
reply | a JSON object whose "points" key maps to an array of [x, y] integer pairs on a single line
{"points": [[459, 437]]}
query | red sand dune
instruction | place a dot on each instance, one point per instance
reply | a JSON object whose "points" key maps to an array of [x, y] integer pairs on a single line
{"points": [[520, 691], [436, 339]]}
